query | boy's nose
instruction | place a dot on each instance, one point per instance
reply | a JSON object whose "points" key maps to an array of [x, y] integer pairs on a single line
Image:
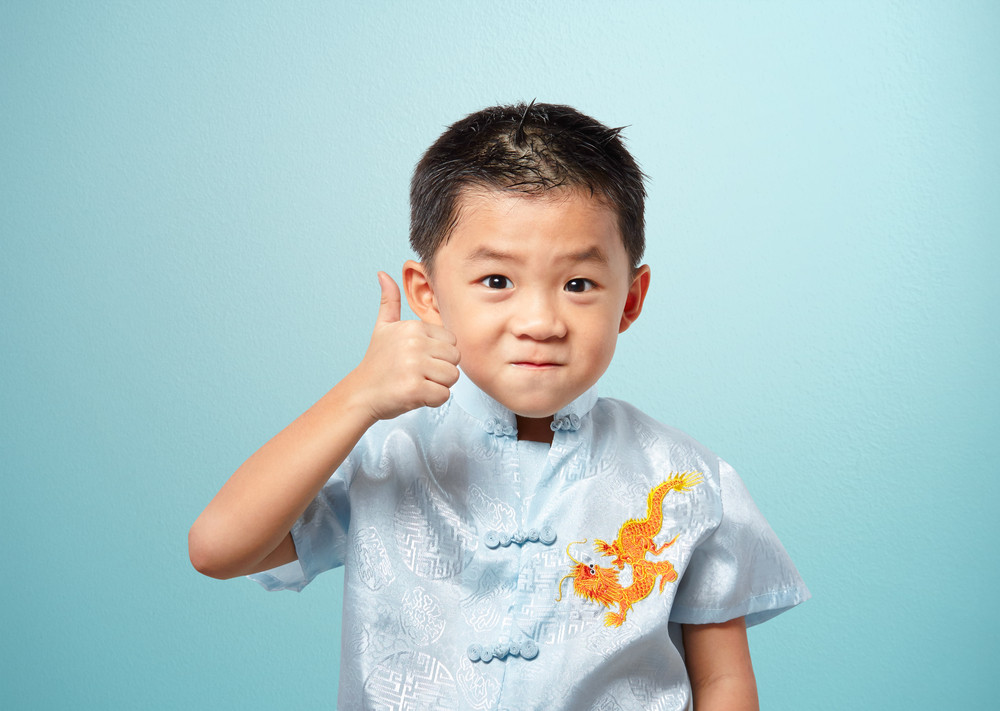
{"points": [[539, 319]]}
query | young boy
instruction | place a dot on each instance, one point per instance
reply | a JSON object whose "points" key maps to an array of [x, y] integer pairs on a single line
{"points": [[467, 506]]}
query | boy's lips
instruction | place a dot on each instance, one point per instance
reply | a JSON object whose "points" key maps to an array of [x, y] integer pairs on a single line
{"points": [[536, 365]]}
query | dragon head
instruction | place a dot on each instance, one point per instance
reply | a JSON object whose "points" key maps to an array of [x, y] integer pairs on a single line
{"points": [[591, 582]]}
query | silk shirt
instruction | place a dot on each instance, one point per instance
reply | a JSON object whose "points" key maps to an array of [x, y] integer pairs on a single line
{"points": [[469, 555]]}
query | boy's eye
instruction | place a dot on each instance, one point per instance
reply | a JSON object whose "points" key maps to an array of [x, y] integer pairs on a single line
{"points": [[579, 285], [495, 281]]}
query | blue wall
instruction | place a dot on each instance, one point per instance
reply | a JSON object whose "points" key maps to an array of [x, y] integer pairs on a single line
{"points": [[195, 198]]}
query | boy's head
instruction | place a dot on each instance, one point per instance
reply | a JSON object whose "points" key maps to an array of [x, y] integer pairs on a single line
{"points": [[528, 222], [527, 149]]}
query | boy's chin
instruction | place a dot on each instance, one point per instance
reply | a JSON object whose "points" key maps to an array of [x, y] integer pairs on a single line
{"points": [[531, 411], [541, 404], [535, 411]]}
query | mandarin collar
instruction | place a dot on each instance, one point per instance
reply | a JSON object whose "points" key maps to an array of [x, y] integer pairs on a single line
{"points": [[498, 420]]}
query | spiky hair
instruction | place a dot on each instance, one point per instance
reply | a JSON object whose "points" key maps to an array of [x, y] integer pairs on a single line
{"points": [[527, 148]]}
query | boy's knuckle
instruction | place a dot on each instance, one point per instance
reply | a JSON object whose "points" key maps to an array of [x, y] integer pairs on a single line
{"points": [[436, 397]]}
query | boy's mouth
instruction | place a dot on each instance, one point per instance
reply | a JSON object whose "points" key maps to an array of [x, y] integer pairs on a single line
{"points": [[535, 365]]}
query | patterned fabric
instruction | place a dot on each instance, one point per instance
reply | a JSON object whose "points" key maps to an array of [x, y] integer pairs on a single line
{"points": [[486, 573]]}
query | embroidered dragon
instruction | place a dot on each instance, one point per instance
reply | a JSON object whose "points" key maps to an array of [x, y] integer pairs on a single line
{"points": [[635, 539]]}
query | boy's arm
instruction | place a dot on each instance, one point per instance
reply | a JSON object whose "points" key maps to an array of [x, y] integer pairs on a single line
{"points": [[718, 663], [245, 528]]}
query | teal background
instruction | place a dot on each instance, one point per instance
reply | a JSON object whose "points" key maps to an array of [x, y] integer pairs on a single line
{"points": [[195, 198]]}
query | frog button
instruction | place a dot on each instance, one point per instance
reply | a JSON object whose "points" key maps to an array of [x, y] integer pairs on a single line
{"points": [[532, 535], [547, 535], [486, 655], [518, 537], [491, 539], [529, 650], [500, 650], [514, 649], [474, 652], [504, 539]]}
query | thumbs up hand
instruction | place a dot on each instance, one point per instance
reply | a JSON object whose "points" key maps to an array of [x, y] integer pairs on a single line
{"points": [[408, 364]]}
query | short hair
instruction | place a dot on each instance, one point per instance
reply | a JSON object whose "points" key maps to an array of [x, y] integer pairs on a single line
{"points": [[527, 148]]}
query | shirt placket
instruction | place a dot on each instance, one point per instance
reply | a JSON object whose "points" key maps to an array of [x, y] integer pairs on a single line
{"points": [[531, 489]]}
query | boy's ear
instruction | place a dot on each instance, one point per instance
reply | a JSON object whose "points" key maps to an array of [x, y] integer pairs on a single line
{"points": [[420, 292], [636, 295]]}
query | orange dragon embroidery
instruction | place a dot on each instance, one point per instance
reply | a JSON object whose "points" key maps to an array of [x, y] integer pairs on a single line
{"points": [[635, 539]]}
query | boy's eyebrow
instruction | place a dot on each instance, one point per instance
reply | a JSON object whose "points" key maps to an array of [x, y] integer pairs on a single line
{"points": [[488, 254], [594, 254]]}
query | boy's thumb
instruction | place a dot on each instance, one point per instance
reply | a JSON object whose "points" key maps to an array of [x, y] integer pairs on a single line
{"points": [[389, 304]]}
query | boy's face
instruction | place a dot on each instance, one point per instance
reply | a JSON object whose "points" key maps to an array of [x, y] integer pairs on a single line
{"points": [[536, 290]]}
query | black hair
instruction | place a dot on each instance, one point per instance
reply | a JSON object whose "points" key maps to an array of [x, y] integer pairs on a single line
{"points": [[527, 148]]}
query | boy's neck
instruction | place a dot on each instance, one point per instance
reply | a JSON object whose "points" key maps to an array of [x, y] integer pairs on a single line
{"points": [[534, 429]]}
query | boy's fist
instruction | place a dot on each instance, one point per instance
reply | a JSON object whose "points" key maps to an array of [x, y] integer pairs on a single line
{"points": [[408, 364]]}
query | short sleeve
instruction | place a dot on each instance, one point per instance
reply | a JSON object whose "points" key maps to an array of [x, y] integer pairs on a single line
{"points": [[741, 569], [320, 536]]}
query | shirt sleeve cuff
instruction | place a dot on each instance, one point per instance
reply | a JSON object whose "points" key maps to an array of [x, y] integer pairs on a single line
{"points": [[757, 609], [290, 576]]}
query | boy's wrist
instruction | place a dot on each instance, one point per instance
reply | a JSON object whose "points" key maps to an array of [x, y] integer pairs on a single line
{"points": [[354, 401]]}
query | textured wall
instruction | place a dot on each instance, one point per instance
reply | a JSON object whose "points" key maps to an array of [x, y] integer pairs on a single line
{"points": [[195, 197]]}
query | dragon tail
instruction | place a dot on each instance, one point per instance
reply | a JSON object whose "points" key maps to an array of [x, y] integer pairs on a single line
{"points": [[654, 504], [683, 482], [678, 482]]}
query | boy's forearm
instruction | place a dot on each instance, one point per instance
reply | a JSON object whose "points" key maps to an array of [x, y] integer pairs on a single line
{"points": [[731, 693], [252, 514]]}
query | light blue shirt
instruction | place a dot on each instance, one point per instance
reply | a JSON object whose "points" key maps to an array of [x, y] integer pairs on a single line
{"points": [[469, 556]]}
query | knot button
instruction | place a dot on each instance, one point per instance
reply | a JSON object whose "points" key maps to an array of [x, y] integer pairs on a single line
{"points": [[485, 653], [569, 423], [547, 535], [496, 539], [498, 428]]}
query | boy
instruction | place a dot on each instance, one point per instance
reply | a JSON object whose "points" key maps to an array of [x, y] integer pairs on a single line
{"points": [[467, 506]]}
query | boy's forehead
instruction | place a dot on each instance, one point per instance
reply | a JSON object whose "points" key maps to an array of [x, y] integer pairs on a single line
{"points": [[483, 213]]}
